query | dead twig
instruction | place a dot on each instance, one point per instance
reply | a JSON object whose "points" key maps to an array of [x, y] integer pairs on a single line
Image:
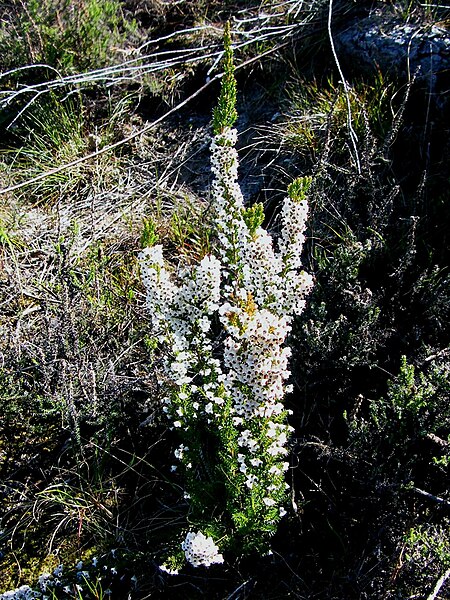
{"points": [[431, 496], [439, 584]]}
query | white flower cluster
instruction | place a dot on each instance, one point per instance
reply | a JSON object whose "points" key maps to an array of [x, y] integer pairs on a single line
{"points": [[273, 278], [201, 550], [157, 281], [168, 570], [24, 592], [256, 362], [180, 307], [265, 289], [228, 200], [184, 313]]}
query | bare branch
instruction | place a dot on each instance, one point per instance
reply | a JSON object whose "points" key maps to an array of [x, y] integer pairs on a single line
{"points": [[431, 496], [439, 584]]}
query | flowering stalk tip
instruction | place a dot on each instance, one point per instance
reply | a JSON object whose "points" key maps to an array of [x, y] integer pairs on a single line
{"points": [[225, 114], [298, 189]]}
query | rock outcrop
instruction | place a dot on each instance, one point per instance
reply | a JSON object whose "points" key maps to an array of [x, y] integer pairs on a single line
{"points": [[381, 42]]}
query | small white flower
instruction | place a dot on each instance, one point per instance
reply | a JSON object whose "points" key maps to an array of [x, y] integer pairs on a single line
{"points": [[269, 501], [204, 324], [58, 571], [251, 481], [167, 570], [43, 581]]}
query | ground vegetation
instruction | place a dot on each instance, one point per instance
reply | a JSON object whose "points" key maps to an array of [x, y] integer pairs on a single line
{"points": [[105, 145]]}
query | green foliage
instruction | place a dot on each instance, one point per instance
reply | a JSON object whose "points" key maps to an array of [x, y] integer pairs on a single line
{"points": [[63, 35], [342, 328], [319, 113], [416, 11], [53, 133], [96, 294], [430, 543], [76, 361], [21, 402], [66, 411], [407, 397], [8, 238], [414, 417], [254, 217], [149, 235], [188, 229], [426, 556], [225, 114], [299, 188]]}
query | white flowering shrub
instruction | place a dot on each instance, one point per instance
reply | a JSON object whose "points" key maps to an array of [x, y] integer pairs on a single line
{"points": [[224, 323]]}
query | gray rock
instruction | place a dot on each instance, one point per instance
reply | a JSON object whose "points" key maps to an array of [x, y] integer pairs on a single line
{"points": [[380, 42]]}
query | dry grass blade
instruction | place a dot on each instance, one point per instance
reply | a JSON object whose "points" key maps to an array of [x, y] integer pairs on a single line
{"points": [[139, 133], [254, 30]]}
